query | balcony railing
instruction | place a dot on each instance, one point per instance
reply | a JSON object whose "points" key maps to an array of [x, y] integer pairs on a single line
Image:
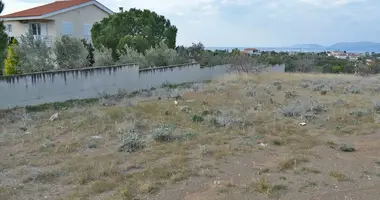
{"points": [[47, 39]]}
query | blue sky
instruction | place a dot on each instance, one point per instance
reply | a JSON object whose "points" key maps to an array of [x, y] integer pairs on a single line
{"points": [[257, 23]]}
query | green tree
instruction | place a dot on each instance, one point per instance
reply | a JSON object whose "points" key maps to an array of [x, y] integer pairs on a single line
{"points": [[70, 53], [90, 48], [3, 41], [138, 29], [12, 60]]}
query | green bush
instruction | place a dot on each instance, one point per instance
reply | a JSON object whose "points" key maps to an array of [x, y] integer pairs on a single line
{"points": [[161, 55], [337, 69], [34, 55], [12, 60], [103, 57], [131, 142], [129, 55], [164, 133], [70, 53]]}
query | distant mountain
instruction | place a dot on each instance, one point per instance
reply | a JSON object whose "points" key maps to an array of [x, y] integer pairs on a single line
{"points": [[359, 47], [356, 46], [307, 46]]}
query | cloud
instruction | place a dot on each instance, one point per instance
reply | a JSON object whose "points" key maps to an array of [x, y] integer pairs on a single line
{"points": [[256, 23]]}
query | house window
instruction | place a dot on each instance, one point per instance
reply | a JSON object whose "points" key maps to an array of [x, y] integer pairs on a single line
{"points": [[9, 28], [35, 28], [87, 31], [67, 28]]}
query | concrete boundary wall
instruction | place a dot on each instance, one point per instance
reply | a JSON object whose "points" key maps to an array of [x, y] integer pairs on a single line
{"points": [[58, 86]]}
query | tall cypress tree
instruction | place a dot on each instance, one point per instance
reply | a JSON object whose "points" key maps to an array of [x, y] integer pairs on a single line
{"points": [[3, 41]]}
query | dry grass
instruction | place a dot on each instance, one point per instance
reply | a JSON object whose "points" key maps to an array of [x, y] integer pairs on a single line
{"points": [[90, 150]]}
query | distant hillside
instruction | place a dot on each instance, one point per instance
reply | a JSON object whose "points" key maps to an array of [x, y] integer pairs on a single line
{"points": [[356, 46]]}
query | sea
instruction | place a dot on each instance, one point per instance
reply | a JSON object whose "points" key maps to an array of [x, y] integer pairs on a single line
{"points": [[280, 49]]}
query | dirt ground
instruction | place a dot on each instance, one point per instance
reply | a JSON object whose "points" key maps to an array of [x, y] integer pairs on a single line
{"points": [[243, 137]]}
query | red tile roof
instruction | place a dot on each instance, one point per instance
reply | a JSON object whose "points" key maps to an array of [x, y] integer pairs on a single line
{"points": [[45, 9]]}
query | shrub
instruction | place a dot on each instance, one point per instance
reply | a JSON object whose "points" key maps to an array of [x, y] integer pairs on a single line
{"points": [[34, 55], [161, 55], [130, 55], [103, 57], [376, 106], [12, 59], [337, 69], [70, 53], [301, 108], [353, 89], [164, 133], [347, 147], [131, 142], [359, 112], [197, 118]]}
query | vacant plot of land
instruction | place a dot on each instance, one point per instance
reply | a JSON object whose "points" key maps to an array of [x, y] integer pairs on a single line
{"points": [[272, 136]]}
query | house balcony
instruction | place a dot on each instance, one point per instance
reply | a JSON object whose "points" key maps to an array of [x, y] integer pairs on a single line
{"points": [[48, 40]]}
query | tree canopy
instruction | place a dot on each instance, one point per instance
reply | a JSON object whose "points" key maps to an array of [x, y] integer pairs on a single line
{"points": [[138, 29], [3, 41]]}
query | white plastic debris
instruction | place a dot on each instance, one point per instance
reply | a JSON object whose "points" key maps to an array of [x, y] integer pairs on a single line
{"points": [[54, 117], [302, 124], [175, 102], [263, 144]]}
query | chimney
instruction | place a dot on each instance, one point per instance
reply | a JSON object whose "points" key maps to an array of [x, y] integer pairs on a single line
{"points": [[121, 9]]}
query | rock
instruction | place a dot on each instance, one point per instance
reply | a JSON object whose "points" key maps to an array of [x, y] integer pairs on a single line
{"points": [[97, 137], [54, 117]]}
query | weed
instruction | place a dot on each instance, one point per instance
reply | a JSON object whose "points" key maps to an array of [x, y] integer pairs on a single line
{"points": [[290, 94], [102, 186], [222, 190], [92, 144], [278, 142], [339, 176], [310, 170], [318, 87], [263, 186], [360, 112], [197, 118], [331, 144], [148, 187], [126, 194], [189, 135], [353, 90], [347, 147], [164, 132], [301, 107], [376, 106], [227, 119], [292, 163], [131, 142]]}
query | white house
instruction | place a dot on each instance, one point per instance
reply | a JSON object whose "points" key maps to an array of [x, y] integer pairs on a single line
{"points": [[67, 17]]}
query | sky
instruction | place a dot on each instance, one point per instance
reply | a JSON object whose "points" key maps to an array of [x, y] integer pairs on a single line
{"points": [[256, 23]]}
